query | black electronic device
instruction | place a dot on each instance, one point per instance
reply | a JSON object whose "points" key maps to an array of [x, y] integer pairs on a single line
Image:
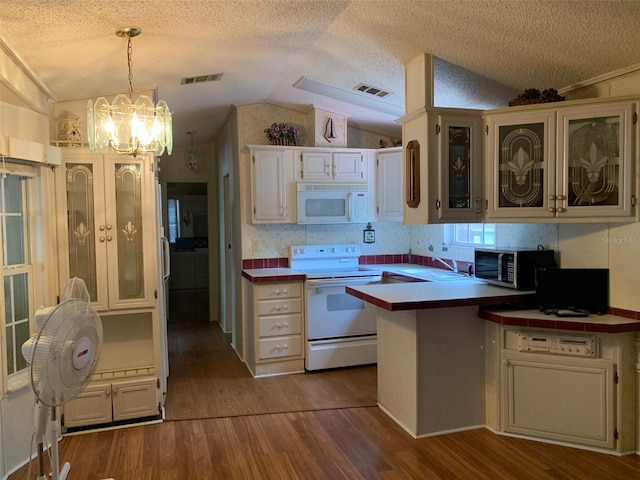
{"points": [[579, 290]]}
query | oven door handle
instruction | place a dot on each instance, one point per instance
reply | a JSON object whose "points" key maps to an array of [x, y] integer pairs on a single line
{"points": [[343, 282]]}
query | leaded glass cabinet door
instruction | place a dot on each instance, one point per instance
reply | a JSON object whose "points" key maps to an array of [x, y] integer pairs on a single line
{"points": [[129, 226], [456, 170], [86, 227], [520, 153], [595, 161]]}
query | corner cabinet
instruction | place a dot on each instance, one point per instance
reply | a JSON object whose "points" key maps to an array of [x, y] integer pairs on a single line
{"points": [[109, 237], [456, 174], [272, 185], [567, 163], [442, 165]]}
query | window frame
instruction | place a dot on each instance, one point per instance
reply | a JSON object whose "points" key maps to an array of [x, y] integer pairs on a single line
{"points": [[32, 225], [450, 236]]}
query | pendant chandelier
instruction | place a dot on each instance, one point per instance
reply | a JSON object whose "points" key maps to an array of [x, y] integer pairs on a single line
{"points": [[127, 127], [192, 157]]}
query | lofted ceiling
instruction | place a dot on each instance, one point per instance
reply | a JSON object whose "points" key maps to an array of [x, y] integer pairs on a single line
{"points": [[487, 51]]}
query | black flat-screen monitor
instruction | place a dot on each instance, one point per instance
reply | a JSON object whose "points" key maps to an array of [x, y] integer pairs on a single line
{"points": [[573, 289]]}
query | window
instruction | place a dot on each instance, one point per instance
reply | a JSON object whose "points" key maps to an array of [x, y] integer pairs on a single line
{"points": [[16, 268], [471, 234]]}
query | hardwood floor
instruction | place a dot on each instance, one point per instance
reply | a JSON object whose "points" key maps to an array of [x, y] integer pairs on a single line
{"points": [[208, 380], [312, 441]]}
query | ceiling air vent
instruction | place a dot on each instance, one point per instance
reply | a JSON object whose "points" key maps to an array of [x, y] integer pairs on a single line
{"points": [[375, 91], [212, 77]]}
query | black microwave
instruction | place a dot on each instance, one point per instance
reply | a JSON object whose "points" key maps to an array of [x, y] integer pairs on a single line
{"points": [[511, 268]]}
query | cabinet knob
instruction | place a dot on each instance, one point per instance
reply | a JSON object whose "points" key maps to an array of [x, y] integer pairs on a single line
{"points": [[115, 391], [107, 393], [552, 197], [561, 210], [478, 199], [552, 210], [101, 227], [109, 238], [477, 210], [437, 204], [108, 226], [102, 239], [561, 197], [285, 324]]}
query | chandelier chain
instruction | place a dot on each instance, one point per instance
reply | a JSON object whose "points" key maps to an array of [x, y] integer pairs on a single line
{"points": [[130, 65]]}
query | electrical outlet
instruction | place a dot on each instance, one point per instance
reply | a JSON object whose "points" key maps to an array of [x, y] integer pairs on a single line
{"points": [[255, 245]]}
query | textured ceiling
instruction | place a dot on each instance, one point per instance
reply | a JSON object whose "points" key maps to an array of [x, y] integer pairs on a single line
{"points": [[487, 51]]}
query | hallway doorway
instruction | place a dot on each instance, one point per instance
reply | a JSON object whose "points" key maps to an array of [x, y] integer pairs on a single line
{"points": [[187, 208]]}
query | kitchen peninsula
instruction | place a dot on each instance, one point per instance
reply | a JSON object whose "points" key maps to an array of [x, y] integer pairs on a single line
{"points": [[431, 359], [442, 367]]}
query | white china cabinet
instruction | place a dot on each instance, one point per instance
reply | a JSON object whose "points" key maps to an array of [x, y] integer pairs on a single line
{"points": [[108, 224]]}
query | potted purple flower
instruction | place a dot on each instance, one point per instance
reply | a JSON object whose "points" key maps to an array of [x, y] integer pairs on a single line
{"points": [[282, 134]]}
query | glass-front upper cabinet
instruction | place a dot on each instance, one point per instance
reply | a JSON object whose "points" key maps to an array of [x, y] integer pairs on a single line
{"points": [[595, 157], [456, 173], [108, 234], [566, 162], [520, 160]]}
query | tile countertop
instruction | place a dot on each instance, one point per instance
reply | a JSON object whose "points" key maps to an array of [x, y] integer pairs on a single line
{"points": [[534, 318], [421, 295], [264, 275]]}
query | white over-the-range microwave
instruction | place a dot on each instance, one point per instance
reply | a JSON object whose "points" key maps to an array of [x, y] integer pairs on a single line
{"points": [[327, 203]]}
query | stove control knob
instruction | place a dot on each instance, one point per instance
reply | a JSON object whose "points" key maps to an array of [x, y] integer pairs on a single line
{"points": [[333, 250]]}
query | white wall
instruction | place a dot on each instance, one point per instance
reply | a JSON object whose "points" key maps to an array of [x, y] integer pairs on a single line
{"points": [[616, 246]]}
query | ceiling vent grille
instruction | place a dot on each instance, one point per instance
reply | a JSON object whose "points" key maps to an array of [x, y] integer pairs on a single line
{"points": [[212, 77], [375, 91]]}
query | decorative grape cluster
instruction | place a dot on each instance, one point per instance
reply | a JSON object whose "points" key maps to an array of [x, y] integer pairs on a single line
{"points": [[533, 95]]}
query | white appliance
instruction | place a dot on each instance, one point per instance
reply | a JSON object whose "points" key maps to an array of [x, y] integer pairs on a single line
{"points": [[327, 203], [340, 328], [164, 270]]}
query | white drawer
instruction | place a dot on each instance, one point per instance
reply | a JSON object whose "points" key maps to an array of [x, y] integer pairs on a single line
{"points": [[279, 307], [280, 347], [280, 325], [279, 290]]}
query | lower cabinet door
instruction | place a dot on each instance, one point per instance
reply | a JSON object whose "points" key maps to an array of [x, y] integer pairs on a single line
{"points": [[560, 398], [103, 403], [134, 399], [91, 407]]}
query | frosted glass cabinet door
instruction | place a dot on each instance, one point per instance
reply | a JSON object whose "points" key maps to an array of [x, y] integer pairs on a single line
{"points": [[125, 196], [521, 153], [86, 228], [595, 154]]}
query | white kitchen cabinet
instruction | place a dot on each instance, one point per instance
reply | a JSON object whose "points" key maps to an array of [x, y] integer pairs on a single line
{"points": [[328, 165], [276, 330], [272, 184], [566, 162], [104, 403], [571, 387], [389, 184], [442, 166], [455, 177], [110, 213]]}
